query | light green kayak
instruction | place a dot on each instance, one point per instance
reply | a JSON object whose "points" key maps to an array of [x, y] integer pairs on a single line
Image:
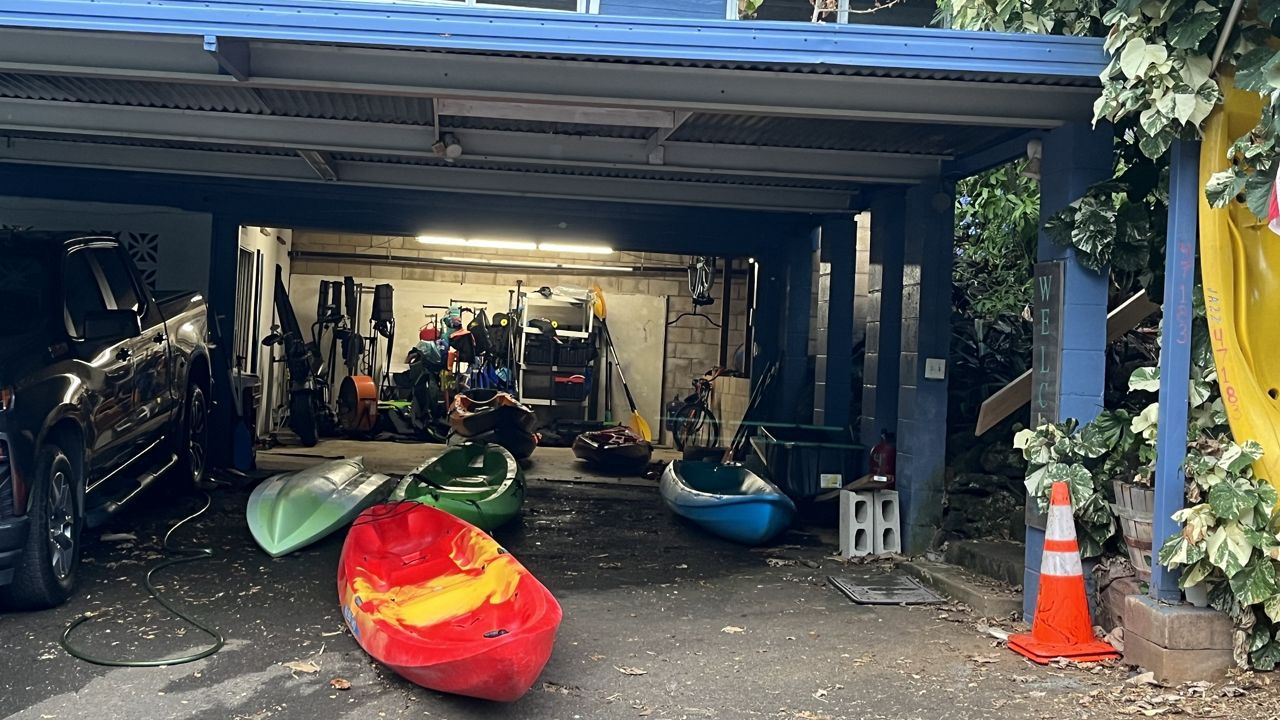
{"points": [[476, 482], [295, 509]]}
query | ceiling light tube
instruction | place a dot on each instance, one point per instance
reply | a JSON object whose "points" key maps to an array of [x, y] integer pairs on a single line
{"points": [[441, 240], [575, 248], [536, 264], [502, 244]]}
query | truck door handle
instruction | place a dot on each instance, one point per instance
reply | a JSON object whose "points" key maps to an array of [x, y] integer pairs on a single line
{"points": [[123, 354]]}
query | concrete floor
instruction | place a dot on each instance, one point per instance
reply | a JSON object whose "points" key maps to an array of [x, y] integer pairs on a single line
{"points": [[717, 630]]}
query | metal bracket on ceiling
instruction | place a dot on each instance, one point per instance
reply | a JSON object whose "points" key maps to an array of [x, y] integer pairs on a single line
{"points": [[232, 55], [321, 163], [654, 147]]}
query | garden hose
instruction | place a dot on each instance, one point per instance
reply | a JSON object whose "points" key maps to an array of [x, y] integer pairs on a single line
{"points": [[179, 556]]}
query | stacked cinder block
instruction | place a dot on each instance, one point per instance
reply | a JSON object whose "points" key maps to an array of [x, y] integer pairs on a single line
{"points": [[1178, 643], [869, 523]]}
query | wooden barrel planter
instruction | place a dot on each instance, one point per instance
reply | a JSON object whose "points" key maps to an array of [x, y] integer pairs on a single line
{"points": [[1134, 506]]}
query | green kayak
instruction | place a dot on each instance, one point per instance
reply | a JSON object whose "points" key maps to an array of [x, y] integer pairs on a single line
{"points": [[481, 484], [292, 510]]}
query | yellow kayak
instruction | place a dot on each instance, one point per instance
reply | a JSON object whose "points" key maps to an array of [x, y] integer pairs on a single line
{"points": [[1240, 265]]}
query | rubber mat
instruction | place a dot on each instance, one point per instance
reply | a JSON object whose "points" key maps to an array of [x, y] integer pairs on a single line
{"points": [[874, 588]]}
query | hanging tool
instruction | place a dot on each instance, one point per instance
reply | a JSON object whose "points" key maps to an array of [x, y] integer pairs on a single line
{"points": [[637, 423]]}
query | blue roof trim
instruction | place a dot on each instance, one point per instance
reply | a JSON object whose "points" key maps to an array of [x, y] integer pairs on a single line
{"points": [[512, 31]]}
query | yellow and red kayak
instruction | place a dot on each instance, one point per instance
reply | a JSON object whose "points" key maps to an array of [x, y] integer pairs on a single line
{"points": [[441, 603]]}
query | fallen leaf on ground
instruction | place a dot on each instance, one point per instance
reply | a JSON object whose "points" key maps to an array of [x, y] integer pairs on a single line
{"points": [[554, 688], [302, 666], [596, 658], [731, 630], [628, 670], [779, 562], [810, 715], [610, 565], [985, 659], [340, 684], [119, 537]]}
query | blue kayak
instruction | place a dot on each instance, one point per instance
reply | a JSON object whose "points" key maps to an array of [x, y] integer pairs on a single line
{"points": [[728, 500]]}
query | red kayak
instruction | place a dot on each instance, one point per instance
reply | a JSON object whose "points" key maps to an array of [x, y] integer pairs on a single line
{"points": [[441, 603]]}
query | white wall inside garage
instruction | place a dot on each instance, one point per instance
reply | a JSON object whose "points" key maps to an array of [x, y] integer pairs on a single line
{"points": [[273, 244], [170, 246]]}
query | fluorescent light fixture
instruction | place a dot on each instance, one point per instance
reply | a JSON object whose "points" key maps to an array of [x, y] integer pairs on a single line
{"points": [[441, 240], [535, 264], [502, 244], [574, 248]]}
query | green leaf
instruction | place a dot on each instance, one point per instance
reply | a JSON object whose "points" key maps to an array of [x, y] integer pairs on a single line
{"points": [[1266, 658], [1078, 480], [1195, 574], [1180, 551], [1272, 607], [1133, 58], [1229, 549], [1228, 500], [1224, 186], [1196, 521], [1236, 458], [1188, 33], [1146, 379], [1251, 69], [1268, 10], [1257, 194]]}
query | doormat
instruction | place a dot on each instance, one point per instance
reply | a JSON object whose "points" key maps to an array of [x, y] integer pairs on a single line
{"points": [[883, 589]]}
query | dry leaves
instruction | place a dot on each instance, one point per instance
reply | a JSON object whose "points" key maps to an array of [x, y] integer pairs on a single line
{"points": [[302, 666], [628, 670], [732, 630], [984, 659], [779, 562], [340, 684]]}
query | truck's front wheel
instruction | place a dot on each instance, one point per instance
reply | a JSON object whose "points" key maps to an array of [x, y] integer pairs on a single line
{"points": [[46, 574], [193, 444]]}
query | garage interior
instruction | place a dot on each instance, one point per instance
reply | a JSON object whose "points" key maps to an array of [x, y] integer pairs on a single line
{"points": [[817, 164]]}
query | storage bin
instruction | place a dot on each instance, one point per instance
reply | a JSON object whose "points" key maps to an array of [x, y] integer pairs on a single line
{"points": [[576, 353], [804, 462], [538, 385], [572, 388], [539, 350]]}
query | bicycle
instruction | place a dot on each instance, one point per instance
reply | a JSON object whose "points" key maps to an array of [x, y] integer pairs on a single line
{"points": [[691, 421]]}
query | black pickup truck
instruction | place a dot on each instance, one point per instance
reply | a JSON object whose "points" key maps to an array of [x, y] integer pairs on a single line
{"points": [[103, 389]]}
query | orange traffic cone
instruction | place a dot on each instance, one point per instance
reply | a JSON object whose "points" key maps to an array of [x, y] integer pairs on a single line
{"points": [[1062, 627]]}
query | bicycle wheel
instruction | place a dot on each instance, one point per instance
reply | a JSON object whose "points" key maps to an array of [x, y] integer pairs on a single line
{"points": [[695, 427]]}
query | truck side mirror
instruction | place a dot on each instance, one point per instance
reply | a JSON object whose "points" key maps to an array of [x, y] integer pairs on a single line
{"points": [[111, 325]]}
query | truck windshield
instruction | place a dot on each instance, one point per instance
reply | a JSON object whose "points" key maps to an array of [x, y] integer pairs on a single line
{"points": [[23, 283]]}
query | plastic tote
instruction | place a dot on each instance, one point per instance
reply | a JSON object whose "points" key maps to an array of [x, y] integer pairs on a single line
{"points": [[804, 462]]}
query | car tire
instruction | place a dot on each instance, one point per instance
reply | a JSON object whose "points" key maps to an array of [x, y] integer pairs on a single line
{"points": [[47, 570], [192, 445]]}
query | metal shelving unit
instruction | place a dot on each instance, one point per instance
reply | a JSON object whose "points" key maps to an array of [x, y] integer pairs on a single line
{"points": [[562, 312]]}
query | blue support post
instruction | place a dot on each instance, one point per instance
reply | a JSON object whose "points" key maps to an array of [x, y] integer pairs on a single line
{"points": [[795, 327], [224, 248], [1073, 158], [833, 363], [767, 313], [1175, 356], [926, 337], [883, 340]]}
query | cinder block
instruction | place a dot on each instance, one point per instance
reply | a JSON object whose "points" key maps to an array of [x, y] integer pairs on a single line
{"points": [[857, 524], [888, 524], [1174, 667], [1177, 627]]}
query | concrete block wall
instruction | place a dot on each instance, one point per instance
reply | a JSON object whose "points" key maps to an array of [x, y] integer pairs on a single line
{"points": [[882, 307], [861, 277]]}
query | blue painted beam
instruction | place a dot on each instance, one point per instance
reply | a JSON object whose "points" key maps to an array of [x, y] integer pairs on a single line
{"points": [[1074, 157], [1013, 147], [656, 228], [926, 335], [1175, 356], [224, 249], [884, 316], [330, 21]]}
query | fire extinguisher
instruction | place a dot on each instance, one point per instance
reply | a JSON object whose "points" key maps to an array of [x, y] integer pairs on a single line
{"points": [[884, 456]]}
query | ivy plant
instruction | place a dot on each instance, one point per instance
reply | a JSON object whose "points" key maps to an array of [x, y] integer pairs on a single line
{"points": [[1060, 452]]}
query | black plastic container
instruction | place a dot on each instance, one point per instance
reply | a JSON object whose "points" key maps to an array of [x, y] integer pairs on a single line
{"points": [[537, 385], [796, 458], [571, 388], [539, 350], [576, 353]]}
